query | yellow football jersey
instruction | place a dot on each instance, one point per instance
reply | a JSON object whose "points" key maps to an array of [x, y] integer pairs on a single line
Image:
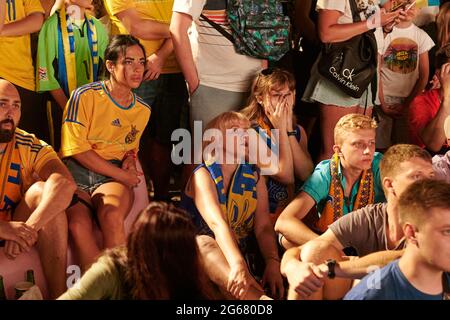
{"points": [[94, 121], [157, 10], [24, 156], [16, 64]]}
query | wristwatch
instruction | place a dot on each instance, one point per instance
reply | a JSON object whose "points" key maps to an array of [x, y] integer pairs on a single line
{"points": [[331, 264]]}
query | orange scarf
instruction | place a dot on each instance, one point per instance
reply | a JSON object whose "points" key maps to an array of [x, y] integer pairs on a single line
{"points": [[333, 209], [10, 179]]}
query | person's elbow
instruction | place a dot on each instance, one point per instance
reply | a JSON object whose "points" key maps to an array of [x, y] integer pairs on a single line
{"points": [[326, 35], [430, 142], [433, 145], [282, 223], [37, 22], [179, 24]]}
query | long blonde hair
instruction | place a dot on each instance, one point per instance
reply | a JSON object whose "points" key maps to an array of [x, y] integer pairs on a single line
{"points": [[266, 80], [443, 23]]}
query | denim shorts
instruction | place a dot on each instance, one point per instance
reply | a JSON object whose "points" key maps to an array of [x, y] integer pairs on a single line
{"points": [[85, 179]]}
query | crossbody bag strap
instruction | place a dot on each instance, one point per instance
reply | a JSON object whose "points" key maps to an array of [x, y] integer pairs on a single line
{"points": [[218, 28], [355, 13]]}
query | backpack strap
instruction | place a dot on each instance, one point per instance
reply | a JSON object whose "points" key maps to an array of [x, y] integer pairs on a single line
{"points": [[218, 28]]}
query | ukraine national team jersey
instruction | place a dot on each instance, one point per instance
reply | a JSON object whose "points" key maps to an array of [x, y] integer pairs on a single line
{"points": [[94, 121], [23, 156]]}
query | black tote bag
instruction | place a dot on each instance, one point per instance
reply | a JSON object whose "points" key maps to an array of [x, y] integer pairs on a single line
{"points": [[350, 65]]}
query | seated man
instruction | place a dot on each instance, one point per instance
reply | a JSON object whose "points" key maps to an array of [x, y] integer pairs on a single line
{"points": [[348, 181], [39, 205], [369, 230], [441, 163], [420, 274]]}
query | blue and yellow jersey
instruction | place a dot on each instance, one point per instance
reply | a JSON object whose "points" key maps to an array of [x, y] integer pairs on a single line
{"points": [[24, 156], [94, 121]]}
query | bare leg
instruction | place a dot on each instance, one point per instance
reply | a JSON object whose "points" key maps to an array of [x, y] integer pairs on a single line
{"points": [[52, 241], [159, 157], [218, 269], [113, 202], [81, 226]]}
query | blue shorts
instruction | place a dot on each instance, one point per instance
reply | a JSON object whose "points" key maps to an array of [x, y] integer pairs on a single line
{"points": [[85, 179]]}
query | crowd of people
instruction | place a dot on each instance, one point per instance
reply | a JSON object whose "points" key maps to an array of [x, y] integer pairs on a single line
{"points": [[353, 204]]}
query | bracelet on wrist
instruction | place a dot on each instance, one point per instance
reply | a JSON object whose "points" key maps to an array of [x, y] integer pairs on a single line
{"points": [[292, 133]]}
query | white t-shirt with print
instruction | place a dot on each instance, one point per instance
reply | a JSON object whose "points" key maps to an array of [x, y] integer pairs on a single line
{"points": [[366, 8], [400, 51], [218, 64]]}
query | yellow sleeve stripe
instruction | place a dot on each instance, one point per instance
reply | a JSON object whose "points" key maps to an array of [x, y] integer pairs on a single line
{"points": [[72, 113]]}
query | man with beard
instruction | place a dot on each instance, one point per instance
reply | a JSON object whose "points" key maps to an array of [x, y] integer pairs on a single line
{"points": [[35, 189]]}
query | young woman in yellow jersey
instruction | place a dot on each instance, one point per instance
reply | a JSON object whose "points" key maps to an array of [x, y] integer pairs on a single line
{"points": [[103, 123]]}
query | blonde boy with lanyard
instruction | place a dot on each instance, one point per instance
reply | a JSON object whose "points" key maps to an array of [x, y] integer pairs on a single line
{"points": [[71, 50], [40, 205], [348, 181]]}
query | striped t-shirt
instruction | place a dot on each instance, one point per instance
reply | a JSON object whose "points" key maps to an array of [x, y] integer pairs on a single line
{"points": [[218, 64]]}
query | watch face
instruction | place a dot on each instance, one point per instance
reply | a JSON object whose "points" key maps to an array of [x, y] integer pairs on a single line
{"points": [[331, 263]]}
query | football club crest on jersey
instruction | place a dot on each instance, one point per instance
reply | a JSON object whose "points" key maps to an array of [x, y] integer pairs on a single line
{"points": [[131, 136], [42, 73]]}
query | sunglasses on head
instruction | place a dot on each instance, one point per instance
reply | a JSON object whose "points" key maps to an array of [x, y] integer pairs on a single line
{"points": [[267, 72]]}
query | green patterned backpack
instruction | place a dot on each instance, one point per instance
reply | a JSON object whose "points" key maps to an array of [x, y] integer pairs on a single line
{"points": [[260, 29]]}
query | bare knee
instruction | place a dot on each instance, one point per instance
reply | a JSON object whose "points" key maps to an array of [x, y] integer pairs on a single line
{"points": [[33, 195], [111, 218], [317, 251], [80, 225]]}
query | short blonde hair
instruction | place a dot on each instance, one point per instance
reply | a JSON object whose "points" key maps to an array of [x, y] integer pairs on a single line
{"points": [[350, 123]]}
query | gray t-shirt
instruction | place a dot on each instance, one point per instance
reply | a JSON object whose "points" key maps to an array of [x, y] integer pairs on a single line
{"points": [[364, 229]]}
